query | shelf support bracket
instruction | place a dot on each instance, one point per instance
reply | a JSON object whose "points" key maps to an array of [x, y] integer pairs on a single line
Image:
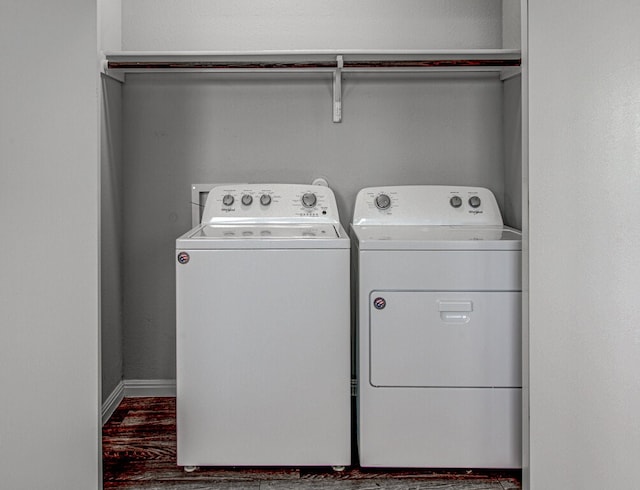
{"points": [[509, 72], [337, 90]]}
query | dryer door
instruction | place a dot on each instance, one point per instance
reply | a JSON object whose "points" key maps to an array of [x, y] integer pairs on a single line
{"points": [[445, 339]]}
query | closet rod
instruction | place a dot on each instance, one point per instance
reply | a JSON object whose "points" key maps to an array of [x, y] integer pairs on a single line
{"points": [[322, 65]]}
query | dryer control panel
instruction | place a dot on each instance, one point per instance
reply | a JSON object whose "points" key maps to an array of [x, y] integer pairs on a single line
{"points": [[272, 203], [426, 205]]}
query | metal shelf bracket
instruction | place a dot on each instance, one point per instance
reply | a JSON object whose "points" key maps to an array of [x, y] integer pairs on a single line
{"points": [[337, 90]]}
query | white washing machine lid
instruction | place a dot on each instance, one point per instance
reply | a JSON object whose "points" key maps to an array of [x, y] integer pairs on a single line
{"points": [[266, 232], [252, 236], [445, 237]]}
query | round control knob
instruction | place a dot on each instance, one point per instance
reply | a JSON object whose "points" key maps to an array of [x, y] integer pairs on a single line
{"points": [[227, 200], [309, 200], [474, 201], [383, 201], [455, 201], [247, 199], [265, 199]]}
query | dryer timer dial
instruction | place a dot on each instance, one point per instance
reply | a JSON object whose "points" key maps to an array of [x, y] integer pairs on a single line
{"points": [[382, 201], [455, 201], [474, 201]]}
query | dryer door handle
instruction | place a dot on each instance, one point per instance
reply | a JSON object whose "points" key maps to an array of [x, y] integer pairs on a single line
{"points": [[455, 312]]}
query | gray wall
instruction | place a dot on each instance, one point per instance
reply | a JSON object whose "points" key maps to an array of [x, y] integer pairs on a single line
{"points": [[183, 129], [584, 178], [321, 24], [111, 231], [512, 140], [49, 210]]}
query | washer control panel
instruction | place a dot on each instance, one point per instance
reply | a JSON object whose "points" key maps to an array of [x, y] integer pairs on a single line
{"points": [[270, 202], [426, 205]]}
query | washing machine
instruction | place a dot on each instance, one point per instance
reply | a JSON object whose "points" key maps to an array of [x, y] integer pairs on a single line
{"points": [[263, 330], [438, 281]]}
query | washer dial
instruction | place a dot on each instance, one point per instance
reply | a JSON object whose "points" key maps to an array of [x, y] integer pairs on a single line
{"points": [[474, 201], [227, 200], [455, 201], [309, 200], [247, 199], [265, 199], [382, 201]]}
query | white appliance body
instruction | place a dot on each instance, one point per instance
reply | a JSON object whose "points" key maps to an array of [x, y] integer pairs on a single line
{"points": [[263, 357], [439, 329]]}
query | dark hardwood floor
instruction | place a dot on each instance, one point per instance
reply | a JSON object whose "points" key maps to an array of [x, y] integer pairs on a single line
{"points": [[139, 446]]}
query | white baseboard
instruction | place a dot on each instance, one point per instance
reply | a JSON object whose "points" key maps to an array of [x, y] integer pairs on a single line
{"points": [[111, 403], [136, 388], [149, 387]]}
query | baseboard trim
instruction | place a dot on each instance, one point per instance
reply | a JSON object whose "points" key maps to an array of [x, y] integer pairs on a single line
{"points": [[111, 403], [132, 388], [149, 387]]}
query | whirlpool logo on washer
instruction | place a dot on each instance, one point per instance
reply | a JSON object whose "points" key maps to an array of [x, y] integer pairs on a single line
{"points": [[379, 303], [183, 258]]}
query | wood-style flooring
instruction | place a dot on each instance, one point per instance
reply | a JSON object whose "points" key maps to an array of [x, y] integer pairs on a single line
{"points": [[139, 447]]}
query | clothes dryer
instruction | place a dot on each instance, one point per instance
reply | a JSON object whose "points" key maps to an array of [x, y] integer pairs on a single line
{"points": [[439, 331], [263, 315]]}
